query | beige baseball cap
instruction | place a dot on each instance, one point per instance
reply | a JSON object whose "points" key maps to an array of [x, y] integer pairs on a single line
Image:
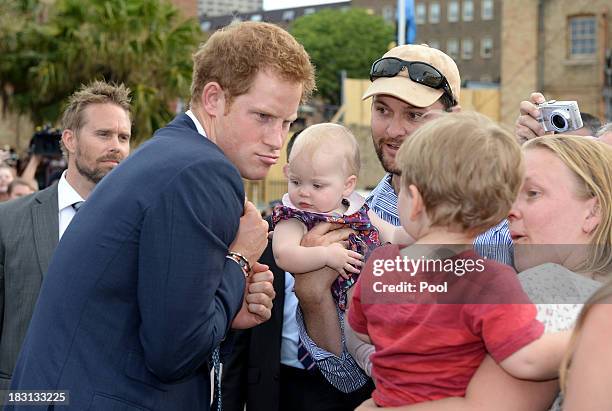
{"points": [[402, 87]]}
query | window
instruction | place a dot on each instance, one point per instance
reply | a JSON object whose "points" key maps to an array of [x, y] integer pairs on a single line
{"points": [[288, 15], [205, 25], [256, 17], [486, 47], [309, 10], [434, 13], [452, 48], [468, 10], [467, 49], [453, 11], [435, 44], [583, 37], [388, 13], [421, 13], [487, 10]]}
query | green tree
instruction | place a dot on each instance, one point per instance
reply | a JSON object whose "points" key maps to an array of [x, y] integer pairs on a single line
{"points": [[145, 44], [342, 40]]}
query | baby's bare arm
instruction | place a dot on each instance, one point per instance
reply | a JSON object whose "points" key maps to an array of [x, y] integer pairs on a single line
{"points": [[388, 232], [491, 388], [539, 360], [294, 258]]}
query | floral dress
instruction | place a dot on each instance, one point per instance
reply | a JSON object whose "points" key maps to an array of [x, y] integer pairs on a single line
{"points": [[363, 242]]}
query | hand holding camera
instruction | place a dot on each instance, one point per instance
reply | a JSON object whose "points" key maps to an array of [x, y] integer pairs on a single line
{"points": [[560, 116], [532, 122]]}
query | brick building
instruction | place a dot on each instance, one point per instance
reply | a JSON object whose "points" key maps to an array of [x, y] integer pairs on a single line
{"points": [[467, 30], [282, 17], [559, 47], [213, 8]]}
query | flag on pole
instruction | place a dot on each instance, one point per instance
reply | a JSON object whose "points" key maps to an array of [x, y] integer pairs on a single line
{"points": [[406, 22]]}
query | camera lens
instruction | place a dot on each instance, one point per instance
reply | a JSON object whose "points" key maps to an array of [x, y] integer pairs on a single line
{"points": [[559, 122]]}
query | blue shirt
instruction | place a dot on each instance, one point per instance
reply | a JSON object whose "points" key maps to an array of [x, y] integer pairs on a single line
{"points": [[290, 334]]}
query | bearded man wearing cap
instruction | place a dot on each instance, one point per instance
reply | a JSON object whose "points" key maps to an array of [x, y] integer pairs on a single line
{"points": [[411, 85]]}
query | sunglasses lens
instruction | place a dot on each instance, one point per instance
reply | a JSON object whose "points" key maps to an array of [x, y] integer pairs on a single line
{"points": [[426, 75], [386, 68]]}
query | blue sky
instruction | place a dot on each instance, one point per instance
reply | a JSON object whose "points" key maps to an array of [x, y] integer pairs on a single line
{"points": [[283, 4]]}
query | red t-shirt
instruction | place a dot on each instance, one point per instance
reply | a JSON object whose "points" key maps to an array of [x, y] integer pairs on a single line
{"points": [[426, 350]]}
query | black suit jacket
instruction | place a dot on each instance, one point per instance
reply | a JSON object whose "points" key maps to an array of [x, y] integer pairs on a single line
{"points": [[251, 373]]}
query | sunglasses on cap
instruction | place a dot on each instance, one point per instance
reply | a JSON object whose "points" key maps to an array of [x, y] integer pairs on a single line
{"points": [[419, 72]]}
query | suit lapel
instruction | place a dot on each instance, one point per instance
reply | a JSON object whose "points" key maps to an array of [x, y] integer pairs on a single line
{"points": [[45, 223]]}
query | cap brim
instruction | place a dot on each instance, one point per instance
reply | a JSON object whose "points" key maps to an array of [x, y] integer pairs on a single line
{"points": [[404, 89]]}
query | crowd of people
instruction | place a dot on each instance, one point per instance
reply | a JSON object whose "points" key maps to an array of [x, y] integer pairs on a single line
{"points": [[137, 278]]}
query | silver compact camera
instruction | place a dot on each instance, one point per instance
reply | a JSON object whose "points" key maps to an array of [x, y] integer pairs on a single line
{"points": [[560, 116]]}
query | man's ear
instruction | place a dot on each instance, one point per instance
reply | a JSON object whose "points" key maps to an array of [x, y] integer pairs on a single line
{"points": [[349, 185], [418, 207], [455, 109], [593, 218], [69, 139], [212, 99]]}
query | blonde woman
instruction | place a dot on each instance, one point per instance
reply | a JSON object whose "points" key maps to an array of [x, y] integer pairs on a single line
{"points": [[587, 382], [561, 224]]}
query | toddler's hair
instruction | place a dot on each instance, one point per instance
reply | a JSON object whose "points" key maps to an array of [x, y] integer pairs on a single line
{"points": [[331, 138], [467, 168]]}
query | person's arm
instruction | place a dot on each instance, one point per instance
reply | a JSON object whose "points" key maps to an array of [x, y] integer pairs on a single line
{"points": [[320, 322], [388, 232], [527, 124], [258, 295], [188, 290], [360, 350], [294, 258], [319, 310], [491, 388], [317, 304], [29, 172], [590, 373], [539, 360]]}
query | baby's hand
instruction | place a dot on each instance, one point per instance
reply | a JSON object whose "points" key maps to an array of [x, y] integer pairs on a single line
{"points": [[343, 260]]}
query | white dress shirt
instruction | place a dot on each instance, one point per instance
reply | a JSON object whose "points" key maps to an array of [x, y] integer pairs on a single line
{"points": [[197, 123], [66, 197]]}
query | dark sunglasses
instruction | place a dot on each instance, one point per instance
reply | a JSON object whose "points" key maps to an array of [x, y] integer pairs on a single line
{"points": [[419, 72]]}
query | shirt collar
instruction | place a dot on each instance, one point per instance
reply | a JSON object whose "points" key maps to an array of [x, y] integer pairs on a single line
{"points": [[66, 194], [196, 122], [384, 189]]}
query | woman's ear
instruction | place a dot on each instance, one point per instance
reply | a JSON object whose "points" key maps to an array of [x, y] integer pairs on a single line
{"points": [[212, 99], [349, 185], [593, 218]]}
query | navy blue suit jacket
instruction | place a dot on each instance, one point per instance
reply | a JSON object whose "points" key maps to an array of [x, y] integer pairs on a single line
{"points": [[139, 291]]}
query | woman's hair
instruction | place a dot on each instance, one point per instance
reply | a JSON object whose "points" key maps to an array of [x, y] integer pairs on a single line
{"points": [[590, 161], [604, 294]]}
